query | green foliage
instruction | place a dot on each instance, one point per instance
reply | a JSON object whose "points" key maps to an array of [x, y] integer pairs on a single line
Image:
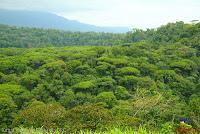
{"points": [[84, 70], [29, 81], [68, 99], [133, 82], [19, 95], [128, 71], [108, 98], [37, 131], [123, 110], [105, 84], [12, 65], [87, 117], [38, 114], [104, 68], [7, 111], [194, 104], [86, 86], [54, 66], [113, 130], [11, 36], [184, 67], [148, 78], [121, 93]]}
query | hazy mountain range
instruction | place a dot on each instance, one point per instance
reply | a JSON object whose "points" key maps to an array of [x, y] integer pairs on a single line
{"points": [[50, 21]]}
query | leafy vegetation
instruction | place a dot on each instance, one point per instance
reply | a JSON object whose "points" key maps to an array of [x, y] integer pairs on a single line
{"points": [[11, 36], [147, 85]]}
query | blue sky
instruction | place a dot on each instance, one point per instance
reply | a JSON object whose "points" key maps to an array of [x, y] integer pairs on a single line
{"points": [[128, 13]]}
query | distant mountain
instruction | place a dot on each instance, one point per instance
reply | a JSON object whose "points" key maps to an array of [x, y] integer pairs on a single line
{"points": [[51, 21]]}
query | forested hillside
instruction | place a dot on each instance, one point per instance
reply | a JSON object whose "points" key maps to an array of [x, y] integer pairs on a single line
{"points": [[31, 37], [146, 81], [187, 34], [10, 36]]}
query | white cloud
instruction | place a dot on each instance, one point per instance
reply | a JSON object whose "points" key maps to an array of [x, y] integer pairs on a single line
{"points": [[131, 13], [139, 14]]}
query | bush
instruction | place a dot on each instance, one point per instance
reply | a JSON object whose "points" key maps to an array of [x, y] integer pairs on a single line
{"points": [[39, 115], [87, 117]]}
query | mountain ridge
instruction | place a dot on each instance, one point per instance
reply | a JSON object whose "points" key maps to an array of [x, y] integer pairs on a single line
{"points": [[47, 20]]}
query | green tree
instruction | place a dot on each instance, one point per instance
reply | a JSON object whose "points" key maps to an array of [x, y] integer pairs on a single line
{"points": [[121, 93], [7, 111], [19, 95], [108, 98], [87, 117], [128, 71], [38, 114], [29, 81], [86, 86]]}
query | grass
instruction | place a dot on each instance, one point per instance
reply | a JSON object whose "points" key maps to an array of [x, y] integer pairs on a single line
{"points": [[141, 130], [36, 131]]}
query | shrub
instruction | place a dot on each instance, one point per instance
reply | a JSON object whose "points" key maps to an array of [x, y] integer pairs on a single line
{"points": [[39, 115], [87, 117]]}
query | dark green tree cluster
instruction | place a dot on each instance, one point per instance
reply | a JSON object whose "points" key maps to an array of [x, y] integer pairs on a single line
{"points": [[179, 32], [20, 37]]}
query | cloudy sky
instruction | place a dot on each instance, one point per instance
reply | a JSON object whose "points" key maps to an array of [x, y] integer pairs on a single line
{"points": [[128, 13]]}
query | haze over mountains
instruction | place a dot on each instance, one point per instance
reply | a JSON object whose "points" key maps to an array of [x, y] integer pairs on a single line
{"points": [[48, 20]]}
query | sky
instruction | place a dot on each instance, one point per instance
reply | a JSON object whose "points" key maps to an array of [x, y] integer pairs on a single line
{"points": [[125, 13]]}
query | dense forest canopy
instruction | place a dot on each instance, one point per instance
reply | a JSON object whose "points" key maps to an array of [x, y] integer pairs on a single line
{"points": [[143, 78], [31, 37], [21, 37]]}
